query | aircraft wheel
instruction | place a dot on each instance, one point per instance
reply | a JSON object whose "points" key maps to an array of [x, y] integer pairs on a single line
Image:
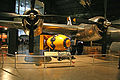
{"points": [[79, 48]]}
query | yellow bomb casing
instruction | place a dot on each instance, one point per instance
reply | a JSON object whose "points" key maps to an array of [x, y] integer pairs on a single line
{"points": [[59, 42]]}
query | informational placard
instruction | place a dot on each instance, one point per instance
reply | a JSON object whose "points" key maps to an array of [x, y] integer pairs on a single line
{"points": [[50, 53]]}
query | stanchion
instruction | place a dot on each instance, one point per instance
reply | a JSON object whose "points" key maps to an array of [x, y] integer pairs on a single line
{"points": [[119, 61], [2, 59], [44, 61], [70, 60], [15, 59], [93, 59]]}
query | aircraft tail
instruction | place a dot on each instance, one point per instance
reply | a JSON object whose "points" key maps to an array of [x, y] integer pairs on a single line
{"points": [[69, 21]]}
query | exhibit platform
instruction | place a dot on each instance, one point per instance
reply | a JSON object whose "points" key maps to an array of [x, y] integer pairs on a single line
{"points": [[84, 67]]}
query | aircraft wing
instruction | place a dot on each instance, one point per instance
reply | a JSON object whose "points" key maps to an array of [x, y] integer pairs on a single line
{"points": [[83, 32], [47, 27], [11, 24], [61, 28]]}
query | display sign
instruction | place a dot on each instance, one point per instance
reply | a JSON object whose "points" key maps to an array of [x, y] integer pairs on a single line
{"points": [[50, 53], [57, 53]]}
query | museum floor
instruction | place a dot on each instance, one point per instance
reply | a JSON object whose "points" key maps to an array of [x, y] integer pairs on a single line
{"points": [[83, 67]]}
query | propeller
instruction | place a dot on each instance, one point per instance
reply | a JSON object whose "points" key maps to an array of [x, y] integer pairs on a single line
{"points": [[31, 27]]}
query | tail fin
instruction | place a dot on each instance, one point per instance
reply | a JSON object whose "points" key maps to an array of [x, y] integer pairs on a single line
{"points": [[69, 21]]}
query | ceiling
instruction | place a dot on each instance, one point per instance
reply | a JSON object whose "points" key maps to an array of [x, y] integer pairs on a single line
{"points": [[91, 7]]}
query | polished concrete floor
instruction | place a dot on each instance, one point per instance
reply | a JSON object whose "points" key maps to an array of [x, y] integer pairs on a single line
{"points": [[83, 68]]}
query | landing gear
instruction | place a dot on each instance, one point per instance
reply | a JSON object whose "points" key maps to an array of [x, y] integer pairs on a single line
{"points": [[59, 59], [77, 48], [104, 48], [63, 58], [38, 64]]}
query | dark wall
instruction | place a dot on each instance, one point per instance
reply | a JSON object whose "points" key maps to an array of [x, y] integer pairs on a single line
{"points": [[7, 6], [50, 6]]}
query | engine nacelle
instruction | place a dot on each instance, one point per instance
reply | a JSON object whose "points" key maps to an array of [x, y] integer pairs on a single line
{"points": [[32, 19], [59, 42]]}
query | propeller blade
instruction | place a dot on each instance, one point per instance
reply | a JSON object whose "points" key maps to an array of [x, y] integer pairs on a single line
{"points": [[12, 15], [116, 21], [116, 26], [31, 41], [9, 15], [32, 4]]}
